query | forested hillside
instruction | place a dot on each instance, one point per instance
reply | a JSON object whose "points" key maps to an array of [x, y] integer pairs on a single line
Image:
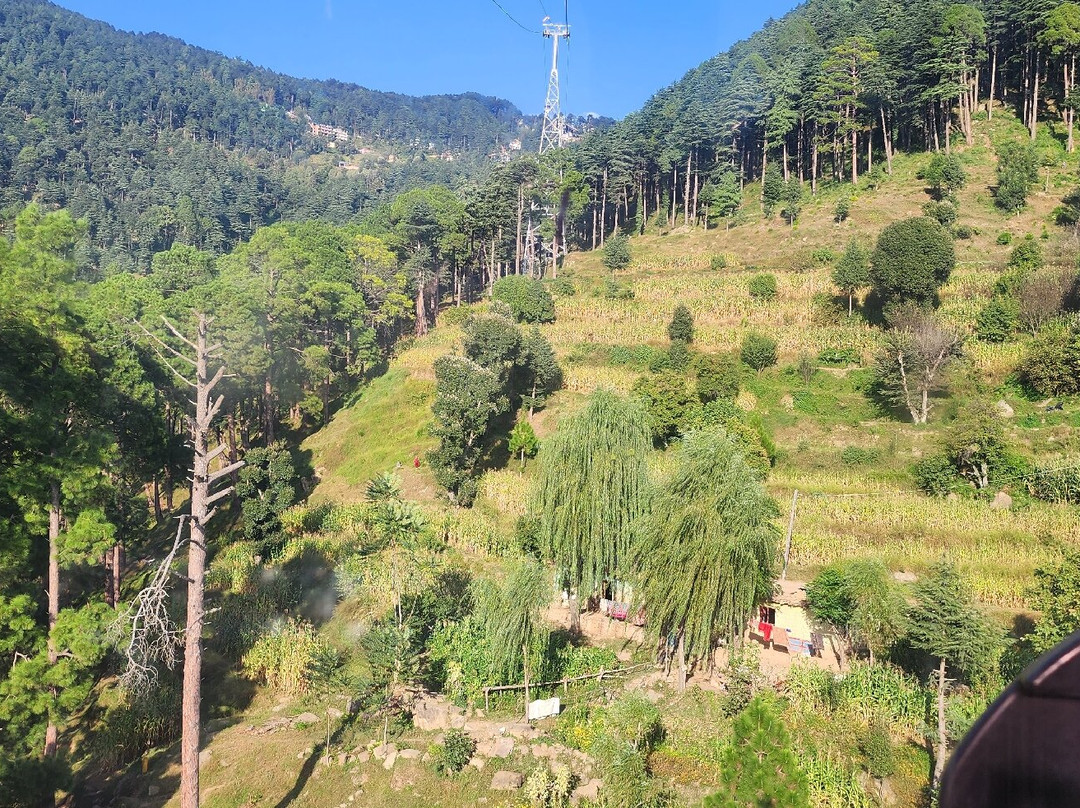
{"points": [[154, 141], [831, 91], [839, 270]]}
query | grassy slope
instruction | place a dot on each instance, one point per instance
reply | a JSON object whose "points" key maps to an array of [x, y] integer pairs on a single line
{"points": [[880, 513], [812, 422]]}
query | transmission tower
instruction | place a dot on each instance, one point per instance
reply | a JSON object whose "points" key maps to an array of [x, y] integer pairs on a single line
{"points": [[551, 136]]}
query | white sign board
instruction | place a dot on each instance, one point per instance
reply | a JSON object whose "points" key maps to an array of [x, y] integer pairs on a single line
{"points": [[543, 708]]}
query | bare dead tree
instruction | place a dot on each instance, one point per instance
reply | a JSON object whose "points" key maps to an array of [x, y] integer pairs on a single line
{"points": [[203, 508], [912, 364], [1042, 297], [147, 630]]}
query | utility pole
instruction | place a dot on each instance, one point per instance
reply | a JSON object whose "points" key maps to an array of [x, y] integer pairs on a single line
{"points": [[551, 136]]}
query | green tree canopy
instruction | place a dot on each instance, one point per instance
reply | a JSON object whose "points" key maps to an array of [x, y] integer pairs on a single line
{"points": [[852, 271], [705, 553], [681, 327], [911, 260], [592, 486], [759, 768]]}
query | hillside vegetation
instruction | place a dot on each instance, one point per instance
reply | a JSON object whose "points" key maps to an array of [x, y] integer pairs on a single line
{"points": [[536, 434]]}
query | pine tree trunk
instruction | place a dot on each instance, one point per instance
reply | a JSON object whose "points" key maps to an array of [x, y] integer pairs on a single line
{"points": [[54, 605], [1035, 98], [1070, 77], [517, 238], [686, 190], [942, 736], [854, 150], [202, 510], [674, 188], [886, 139], [993, 81], [603, 209]]}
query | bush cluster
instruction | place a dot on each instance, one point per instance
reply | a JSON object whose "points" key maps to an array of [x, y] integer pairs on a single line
{"points": [[528, 298]]}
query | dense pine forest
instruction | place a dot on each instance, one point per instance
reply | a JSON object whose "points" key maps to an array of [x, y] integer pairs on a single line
{"points": [[379, 391]]}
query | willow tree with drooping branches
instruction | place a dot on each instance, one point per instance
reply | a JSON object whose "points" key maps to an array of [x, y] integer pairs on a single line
{"points": [[705, 554], [511, 614], [592, 486]]}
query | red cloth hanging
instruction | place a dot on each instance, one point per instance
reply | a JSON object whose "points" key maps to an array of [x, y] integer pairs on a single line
{"points": [[766, 630]]}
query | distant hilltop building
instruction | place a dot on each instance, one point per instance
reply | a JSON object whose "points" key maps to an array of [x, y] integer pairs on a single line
{"points": [[514, 145], [328, 132]]}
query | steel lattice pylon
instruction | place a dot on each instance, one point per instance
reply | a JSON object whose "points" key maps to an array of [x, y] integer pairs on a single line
{"points": [[551, 136]]}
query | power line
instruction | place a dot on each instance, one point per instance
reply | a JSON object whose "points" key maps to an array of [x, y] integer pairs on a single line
{"points": [[510, 17]]}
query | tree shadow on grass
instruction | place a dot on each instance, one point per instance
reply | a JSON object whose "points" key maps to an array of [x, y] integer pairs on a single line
{"points": [[308, 769]]}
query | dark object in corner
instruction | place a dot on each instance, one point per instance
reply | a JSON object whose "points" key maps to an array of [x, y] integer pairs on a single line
{"points": [[1024, 752]]}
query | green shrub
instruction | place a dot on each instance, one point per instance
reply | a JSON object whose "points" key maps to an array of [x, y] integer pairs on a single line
{"points": [[635, 720], [762, 286], [1068, 213], [1004, 238], [944, 174], [1051, 365], [291, 658], [616, 252], [997, 320], [1017, 171], [840, 356], [718, 377], [822, 256], [717, 262], [857, 456], [577, 660], [455, 315], [944, 213], [936, 475], [758, 350], [1027, 256], [613, 290], [842, 209], [679, 356], [744, 680], [564, 287], [964, 231], [681, 327], [877, 749], [528, 298], [454, 753]]}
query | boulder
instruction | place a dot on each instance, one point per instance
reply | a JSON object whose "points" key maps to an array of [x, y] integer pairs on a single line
{"points": [[430, 714], [334, 712], [204, 756], [305, 718], [1002, 502], [384, 750], [153, 791], [477, 762], [586, 791], [410, 754], [507, 781], [391, 759], [502, 748], [1003, 409]]}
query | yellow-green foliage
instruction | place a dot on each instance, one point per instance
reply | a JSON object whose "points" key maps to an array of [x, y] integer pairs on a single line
{"points": [[289, 658]]}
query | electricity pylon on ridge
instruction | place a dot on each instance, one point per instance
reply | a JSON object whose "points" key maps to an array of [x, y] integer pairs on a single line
{"points": [[551, 136]]}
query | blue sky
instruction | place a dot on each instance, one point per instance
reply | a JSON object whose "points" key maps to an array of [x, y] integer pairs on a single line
{"points": [[619, 54]]}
